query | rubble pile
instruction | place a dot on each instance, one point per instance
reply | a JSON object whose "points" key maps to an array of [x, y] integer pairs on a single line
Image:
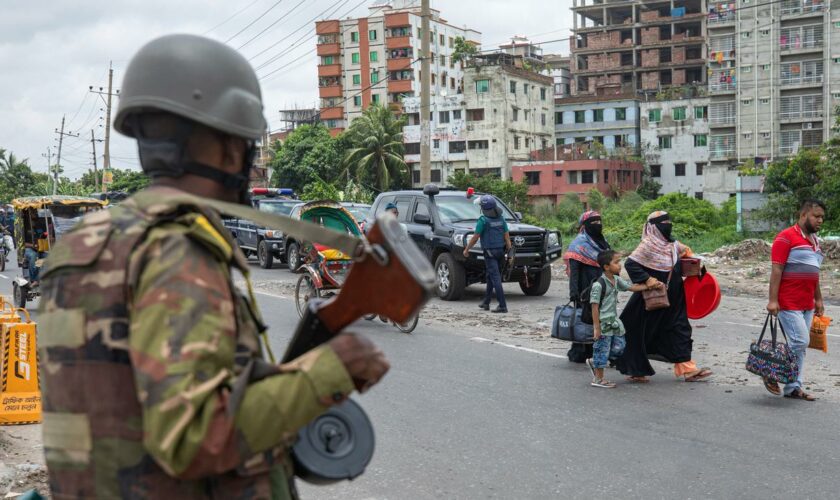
{"points": [[746, 250]]}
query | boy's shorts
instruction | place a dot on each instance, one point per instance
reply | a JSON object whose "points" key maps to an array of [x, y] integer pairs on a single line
{"points": [[607, 347]]}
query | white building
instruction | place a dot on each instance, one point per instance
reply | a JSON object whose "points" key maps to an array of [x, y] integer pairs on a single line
{"points": [[448, 135]]}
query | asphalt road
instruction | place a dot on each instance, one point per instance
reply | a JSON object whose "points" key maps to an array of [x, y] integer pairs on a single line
{"points": [[461, 418]]}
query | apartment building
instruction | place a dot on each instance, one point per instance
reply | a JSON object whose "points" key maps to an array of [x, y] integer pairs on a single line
{"points": [[448, 135], [675, 137], [508, 112], [375, 59], [774, 78], [637, 44], [553, 179], [612, 120]]}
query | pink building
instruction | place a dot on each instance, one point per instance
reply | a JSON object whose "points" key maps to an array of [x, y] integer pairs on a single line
{"points": [[553, 179]]}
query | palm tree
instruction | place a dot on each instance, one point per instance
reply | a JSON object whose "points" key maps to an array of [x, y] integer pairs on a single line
{"points": [[376, 150]]}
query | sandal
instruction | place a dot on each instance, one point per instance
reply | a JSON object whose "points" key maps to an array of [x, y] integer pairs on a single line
{"points": [[603, 383], [638, 380], [800, 394], [772, 387], [702, 374]]}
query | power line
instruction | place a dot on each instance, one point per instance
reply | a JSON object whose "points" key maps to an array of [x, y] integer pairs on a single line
{"points": [[254, 21], [240, 11], [272, 24]]}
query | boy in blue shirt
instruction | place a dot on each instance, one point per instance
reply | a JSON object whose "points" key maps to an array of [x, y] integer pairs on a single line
{"points": [[609, 330]]}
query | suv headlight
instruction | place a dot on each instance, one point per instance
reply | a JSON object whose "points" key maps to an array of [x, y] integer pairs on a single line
{"points": [[553, 240], [273, 234], [459, 239]]}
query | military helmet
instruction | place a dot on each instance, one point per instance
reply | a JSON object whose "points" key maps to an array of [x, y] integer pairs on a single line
{"points": [[196, 78]]}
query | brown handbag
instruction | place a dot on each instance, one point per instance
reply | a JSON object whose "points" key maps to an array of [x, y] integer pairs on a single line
{"points": [[657, 298], [691, 266]]}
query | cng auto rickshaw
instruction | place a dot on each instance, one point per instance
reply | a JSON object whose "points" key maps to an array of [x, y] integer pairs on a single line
{"points": [[39, 222]]}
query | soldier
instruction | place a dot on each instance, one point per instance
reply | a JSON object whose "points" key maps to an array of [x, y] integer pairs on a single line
{"points": [[148, 349]]}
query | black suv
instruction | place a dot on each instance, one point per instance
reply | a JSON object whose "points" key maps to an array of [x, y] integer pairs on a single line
{"points": [[267, 244], [441, 222]]}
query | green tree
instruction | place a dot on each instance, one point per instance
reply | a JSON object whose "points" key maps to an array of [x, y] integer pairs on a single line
{"points": [[649, 189], [376, 153], [463, 50], [320, 190], [596, 199], [789, 181], [16, 177], [309, 152], [514, 194]]}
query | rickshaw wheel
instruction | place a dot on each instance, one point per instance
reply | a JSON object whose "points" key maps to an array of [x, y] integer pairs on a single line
{"points": [[19, 296], [304, 290], [2, 261], [409, 325]]}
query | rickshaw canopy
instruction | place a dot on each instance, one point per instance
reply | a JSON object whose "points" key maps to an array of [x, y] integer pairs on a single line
{"points": [[331, 215], [39, 202]]}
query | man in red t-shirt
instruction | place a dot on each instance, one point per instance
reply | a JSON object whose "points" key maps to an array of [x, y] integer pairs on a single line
{"points": [[795, 295]]}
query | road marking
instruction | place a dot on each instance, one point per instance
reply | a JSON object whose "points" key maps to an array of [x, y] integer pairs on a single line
{"points": [[532, 351], [4, 276], [272, 295]]}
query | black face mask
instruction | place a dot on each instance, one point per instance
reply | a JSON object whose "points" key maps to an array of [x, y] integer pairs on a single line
{"points": [[665, 229], [594, 230]]}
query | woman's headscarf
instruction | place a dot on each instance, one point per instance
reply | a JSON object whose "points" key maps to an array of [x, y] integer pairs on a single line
{"points": [[657, 251], [588, 243]]}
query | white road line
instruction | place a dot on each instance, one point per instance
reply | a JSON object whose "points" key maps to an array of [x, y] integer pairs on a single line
{"points": [[532, 351], [272, 295], [4, 276]]}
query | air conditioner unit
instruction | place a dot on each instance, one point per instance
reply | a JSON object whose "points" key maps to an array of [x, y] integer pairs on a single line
{"points": [[807, 126]]}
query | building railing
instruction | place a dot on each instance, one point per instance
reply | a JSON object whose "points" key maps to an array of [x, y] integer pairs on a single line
{"points": [[722, 17], [722, 120], [802, 6], [721, 147], [801, 37], [722, 87]]}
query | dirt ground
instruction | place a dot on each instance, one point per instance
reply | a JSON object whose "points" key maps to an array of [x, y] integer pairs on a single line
{"points": [[22, 461]]}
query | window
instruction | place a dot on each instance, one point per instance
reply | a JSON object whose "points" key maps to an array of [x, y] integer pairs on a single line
{"points": [[512, 87], [606, 176], [837, 24], [764, 32], [474, 145], [452, 83], [412, 148], [372, 35], [443, 40], [332, 123], [679, 169], [746, 102], [357, 79], [558, 117], [746, 34], [701, 140], [422, 209], [542, 119], [765, 67], [699, 168], [435, 178], [665, 142], [375, 98], [701, 112], [747, 135], [357, 100], [764, 100], [532, 178], [598, 115], [587, 177], [328, 60], [515, 114], [526, 114], [836, 60], [698, 195], [620, 113], [442, 60], [482, 87], [542, 94], [355, 58], [451, 42], [475, 115], [354, 36], [765, 135], [436, 144], [444, 117], [580, 116], [457, 146], [456, 115], [374, 56], [746, 69], [374, 77], [419, 33], [678, 113], [835, 95], [558, 173], [573, 176], [579, 140], [655, 170], [527, 143], [516, 142], [655, 115]]}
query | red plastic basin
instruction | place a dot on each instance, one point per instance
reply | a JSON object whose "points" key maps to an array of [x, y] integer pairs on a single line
{"points": [[702, 297]]}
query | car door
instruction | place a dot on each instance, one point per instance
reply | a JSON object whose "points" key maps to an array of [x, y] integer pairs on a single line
{"points": [[421, 233]]}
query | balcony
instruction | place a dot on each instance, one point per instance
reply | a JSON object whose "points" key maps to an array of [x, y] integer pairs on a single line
{"points": [[802, 8], [400, 86], [398, 42], [329, 49], [399, 64], [721, 147], [329, 91], [397, 20], [795, 108], [327, 70], [722, 88], [801, 39], [334, 113], [722, 18], [327, 28], [801, 73], [722, 121]]}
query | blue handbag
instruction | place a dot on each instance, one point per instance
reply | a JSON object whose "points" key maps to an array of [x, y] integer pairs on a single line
{"points": [[567, 325]]}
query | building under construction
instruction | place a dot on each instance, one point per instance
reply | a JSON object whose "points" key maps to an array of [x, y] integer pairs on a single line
{"points": [[637, 45]]}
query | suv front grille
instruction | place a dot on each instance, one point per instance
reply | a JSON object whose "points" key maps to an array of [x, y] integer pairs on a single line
{"points": [[533, 242]]}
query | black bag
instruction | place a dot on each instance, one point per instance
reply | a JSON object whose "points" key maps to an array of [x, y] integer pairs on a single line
{"points": [[568, 326], [586, 295]]}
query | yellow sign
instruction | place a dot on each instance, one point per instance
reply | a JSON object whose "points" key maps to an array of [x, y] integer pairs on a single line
{"points": [[20, 394], [107, 177]]}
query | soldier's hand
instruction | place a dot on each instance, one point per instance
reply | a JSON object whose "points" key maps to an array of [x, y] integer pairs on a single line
{"points": [[365, 363]]}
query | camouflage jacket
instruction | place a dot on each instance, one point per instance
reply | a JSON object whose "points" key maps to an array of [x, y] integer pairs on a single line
{"points": [[147, 355]]}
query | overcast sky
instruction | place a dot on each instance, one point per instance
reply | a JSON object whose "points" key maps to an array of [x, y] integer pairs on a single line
{"points": [[53, 51]]}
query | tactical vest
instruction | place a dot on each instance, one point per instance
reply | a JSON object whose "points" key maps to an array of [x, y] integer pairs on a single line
{"points": [[93, 425], [493, 236]]}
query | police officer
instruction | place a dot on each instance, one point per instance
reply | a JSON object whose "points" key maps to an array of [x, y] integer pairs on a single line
{"points": [[149, 349], [492, 229]]}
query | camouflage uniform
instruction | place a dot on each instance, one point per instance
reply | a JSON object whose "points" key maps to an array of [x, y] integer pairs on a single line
{"points": [[148, 355]]}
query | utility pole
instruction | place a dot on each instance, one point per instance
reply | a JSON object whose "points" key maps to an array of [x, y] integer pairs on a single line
{"points": [[425, 97], [57, 167], [93, 142], [106, 161], [48, 156]]}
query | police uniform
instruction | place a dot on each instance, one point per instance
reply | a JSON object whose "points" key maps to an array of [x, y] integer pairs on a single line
{"points": [[492, 236]]}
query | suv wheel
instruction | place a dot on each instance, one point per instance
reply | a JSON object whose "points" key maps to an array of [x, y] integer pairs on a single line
{"points": [[293, 257], [539, 283], [450, 277], [264, 255]]}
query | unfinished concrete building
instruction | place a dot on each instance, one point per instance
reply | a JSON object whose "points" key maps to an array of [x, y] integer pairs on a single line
{"points": [[637, 45]]}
